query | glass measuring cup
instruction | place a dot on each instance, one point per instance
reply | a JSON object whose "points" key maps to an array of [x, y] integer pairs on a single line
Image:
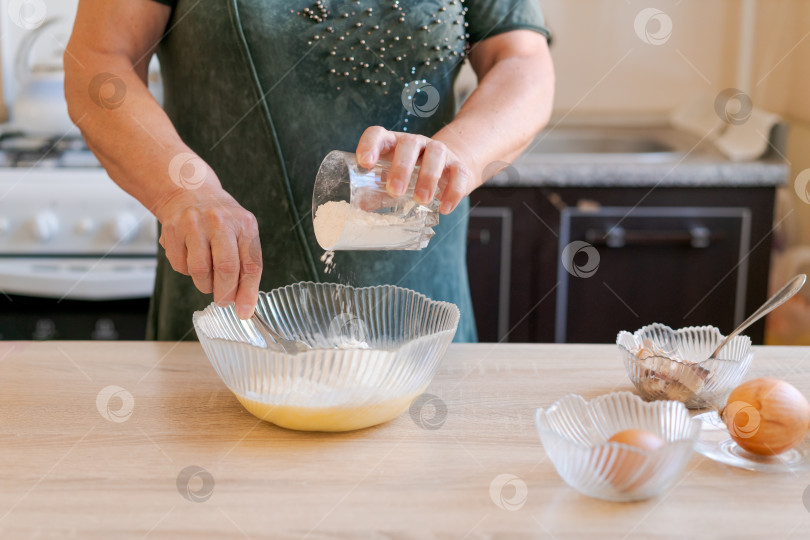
{"points": [[351, 210]]}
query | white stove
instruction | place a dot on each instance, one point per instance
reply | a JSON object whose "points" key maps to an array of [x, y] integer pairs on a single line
{"points": [[73, 245], [77, 253]]}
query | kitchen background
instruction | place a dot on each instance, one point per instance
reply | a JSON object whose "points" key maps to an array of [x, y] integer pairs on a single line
{"points": [[76, 254], [761, 47]]}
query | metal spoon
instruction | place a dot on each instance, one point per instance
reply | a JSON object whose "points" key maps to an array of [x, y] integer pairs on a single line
{"points": [[770, 304], [271, 336]]}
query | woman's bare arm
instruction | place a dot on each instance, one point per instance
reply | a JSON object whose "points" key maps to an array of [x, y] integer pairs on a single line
{"points": [[511, 104], [205, 232]]}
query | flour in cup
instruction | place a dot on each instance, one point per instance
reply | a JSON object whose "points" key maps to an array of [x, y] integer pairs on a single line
{"points": [[337, 225], [330, 220]]}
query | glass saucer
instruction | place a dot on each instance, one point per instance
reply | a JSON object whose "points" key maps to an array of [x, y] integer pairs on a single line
{"points": [[715, 443]]}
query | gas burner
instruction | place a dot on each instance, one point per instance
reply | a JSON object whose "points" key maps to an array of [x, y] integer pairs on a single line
{"points": [[20, 142], [26, 151]]}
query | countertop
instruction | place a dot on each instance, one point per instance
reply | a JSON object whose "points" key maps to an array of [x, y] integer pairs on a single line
{"points": [[692, 162], [69, 472]]}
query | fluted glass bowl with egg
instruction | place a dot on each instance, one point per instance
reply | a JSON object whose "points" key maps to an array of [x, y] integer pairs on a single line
{"points": [[576, 436], [674, 364], [373, 351]]}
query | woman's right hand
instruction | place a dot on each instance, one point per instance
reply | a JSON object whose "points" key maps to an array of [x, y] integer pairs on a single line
{"points": [[207, 235]]}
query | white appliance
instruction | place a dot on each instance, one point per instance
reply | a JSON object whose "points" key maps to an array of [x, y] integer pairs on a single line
{"points": [[18, 19], [77, 253], [40, 107]]}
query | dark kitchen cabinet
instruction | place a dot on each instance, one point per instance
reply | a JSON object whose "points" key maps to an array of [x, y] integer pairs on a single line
{"points": [[490, 250], [681, 256]]}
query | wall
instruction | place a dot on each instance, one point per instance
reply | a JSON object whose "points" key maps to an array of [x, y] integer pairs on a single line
{"points": [[603, 66], [3, 108], [783, 53], [782, 84]]}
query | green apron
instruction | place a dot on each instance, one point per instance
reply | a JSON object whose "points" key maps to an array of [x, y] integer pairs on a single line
{"points": [[262, 90]]}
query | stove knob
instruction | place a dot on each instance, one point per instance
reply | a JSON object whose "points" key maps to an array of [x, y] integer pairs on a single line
{"points": [[124, 228], [44, 226], [84, 226]]}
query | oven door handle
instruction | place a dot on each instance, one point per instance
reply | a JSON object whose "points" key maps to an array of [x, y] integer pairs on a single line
{"points": [[78, 279]]}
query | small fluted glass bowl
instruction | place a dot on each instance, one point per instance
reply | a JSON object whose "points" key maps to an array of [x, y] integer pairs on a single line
{"points": [[575, 437], [673, 364], [374, 350]]}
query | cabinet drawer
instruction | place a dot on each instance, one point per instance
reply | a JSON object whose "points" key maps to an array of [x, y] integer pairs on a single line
{"points": [[489, 251], [624, 267]]}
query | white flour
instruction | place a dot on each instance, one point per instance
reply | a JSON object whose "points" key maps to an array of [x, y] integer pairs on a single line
{"points": [[352, 343], [330, 219], [328, 259], [364, 230]]}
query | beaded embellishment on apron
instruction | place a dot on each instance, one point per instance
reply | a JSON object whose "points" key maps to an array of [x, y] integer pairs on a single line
{"points": [[380, 46]]}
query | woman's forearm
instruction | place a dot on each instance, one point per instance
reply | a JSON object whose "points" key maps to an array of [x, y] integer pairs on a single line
{"points": [[511, 104], [205, 233], [132, 136]]}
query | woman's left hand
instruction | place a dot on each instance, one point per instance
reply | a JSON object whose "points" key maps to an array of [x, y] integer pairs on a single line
{"points": [[439, 167]]}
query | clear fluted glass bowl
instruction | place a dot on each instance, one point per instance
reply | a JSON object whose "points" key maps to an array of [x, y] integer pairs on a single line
{"points": [[575, 437], [673, 364], [374, 350]]}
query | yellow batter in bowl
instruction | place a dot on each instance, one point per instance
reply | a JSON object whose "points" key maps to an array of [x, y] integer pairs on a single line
{"points": [[328, 418]]}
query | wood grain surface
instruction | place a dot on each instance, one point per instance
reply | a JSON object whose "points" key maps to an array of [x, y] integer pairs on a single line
{"points": [[142, 440]]}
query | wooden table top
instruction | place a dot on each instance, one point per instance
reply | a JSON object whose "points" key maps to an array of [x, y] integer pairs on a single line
{"points": [[184, 460]]}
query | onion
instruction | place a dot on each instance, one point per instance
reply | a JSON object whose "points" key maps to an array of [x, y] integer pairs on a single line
{"points": [[766, 416]]}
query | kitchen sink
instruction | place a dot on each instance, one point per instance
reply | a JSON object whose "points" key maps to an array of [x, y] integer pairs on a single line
{"points": [[592, 144], [564, 143]]}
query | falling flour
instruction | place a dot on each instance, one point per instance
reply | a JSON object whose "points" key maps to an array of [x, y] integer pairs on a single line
{"points": [[365, 230], [328, 259]]}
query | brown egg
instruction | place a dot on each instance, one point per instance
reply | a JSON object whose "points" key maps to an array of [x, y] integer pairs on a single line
{"points": [[623, 471], [640, 438]]}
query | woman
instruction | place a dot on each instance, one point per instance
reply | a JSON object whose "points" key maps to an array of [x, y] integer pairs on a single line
{"points": [[258, 91]]}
